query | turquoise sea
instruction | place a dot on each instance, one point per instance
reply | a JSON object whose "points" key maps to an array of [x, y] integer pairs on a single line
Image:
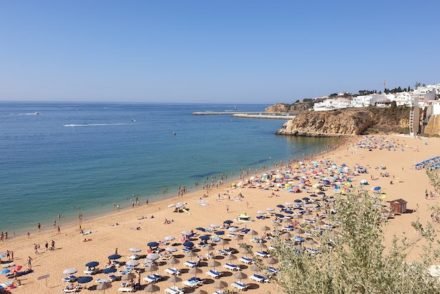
{"points": [[70, 158]]}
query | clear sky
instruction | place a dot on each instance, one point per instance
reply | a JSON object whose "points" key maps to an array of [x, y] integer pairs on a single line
{"points": [[213, 51]]}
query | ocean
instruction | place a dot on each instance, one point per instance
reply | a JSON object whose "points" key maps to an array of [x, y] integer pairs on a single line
{"points": [[71, 158]]}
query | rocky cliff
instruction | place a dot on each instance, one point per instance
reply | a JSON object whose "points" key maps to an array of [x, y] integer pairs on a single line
{"points": [[296, 107], [348, 122], [433, 126]]}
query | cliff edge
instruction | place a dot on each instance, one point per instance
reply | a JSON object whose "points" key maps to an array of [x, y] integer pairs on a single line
{"points": [[351, 121], [433, 126]]}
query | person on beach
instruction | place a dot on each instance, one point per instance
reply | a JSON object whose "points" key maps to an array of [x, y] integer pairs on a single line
{"points": [[36, 249], [59, 229], [39, 227], [29, 262], [46, 245]]}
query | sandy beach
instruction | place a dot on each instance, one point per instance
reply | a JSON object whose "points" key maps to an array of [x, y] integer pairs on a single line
{"points": [[135, 227]]}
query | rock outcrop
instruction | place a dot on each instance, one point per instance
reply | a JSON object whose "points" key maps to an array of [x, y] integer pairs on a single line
{"points": [[294, 108], [348, 122], [433, 126]]}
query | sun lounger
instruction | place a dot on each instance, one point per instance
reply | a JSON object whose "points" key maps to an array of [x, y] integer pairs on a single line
{"points": [[239, 285], [153, 278], [259, 278], [172, 271], [174, 290], [190, 263], [126, 287], [193, 282], [231, 266], [262, 253], [272, 271], [213, 273], [72, 289], [246, 260]]}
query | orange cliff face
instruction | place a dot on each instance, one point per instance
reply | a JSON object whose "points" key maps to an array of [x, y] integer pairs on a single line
{"points": [[433, 126], [350, 121]]}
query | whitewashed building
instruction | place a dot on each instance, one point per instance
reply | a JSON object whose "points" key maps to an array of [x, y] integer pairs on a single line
{"points": [[331, 104], [370, 100]]}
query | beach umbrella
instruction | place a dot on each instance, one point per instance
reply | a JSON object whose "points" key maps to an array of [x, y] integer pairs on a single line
{"points": [[194, 271], [109, 270], [265, 228], [134, 250], [153, 256], [205, 237], [169, 238], [173, 261], [219, 233], [228, 221], [152, 288], [174, 279], [191, 254], [253, 233], [151, 267], [255, 268], [240, 275], [188, 244], [152, 244], [272, 260], [213, 263], [128, 277], [186, 233], [219, 285], [92, 264], [5, 271], [103, 286], [171, 249], [209, 247], [223, 242], [114, 257], [70, 271], [260, 212], [233, 229], [132, 263], [84, 279]]}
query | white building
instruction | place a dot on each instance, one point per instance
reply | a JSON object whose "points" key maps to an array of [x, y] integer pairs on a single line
{"points": [[330, 104], [402, 99], [370, 100]]}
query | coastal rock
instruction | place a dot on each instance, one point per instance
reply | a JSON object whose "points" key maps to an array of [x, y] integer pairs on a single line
{"points": [[278, 107], [347, 122], [433, 126]]}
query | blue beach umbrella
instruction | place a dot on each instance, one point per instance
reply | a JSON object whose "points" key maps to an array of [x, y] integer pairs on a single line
{"points": [[153, 244], [84, 280], [377, 189], [219, 233], [188, 244], [5, 271], [92, 264], [201, 229], [228, 221], [205, 237], [109, 270], [114, 256]]}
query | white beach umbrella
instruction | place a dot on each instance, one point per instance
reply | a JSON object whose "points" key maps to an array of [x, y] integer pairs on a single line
{"points": [[70, 271], [169, 238], [171, 249], [132, 263], [153, 256], [135, 250]]}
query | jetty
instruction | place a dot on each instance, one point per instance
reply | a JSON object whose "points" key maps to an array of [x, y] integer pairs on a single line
{"points": [[262, 115]]}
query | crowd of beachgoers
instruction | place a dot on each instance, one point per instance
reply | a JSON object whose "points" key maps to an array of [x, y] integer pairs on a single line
{"points": [[240, 246], [216, 250]]}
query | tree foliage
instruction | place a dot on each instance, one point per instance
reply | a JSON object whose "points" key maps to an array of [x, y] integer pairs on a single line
{"points": [[352, 257]]}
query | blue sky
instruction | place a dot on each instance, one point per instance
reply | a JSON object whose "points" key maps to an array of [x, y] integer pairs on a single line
{"points": [[213, 51]]}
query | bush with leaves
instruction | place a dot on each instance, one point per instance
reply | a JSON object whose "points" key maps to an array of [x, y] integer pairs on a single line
{"points": [[352, 257]]}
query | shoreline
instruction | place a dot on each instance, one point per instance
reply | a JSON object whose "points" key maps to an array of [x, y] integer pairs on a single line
{"points": [[136, 227], [72, 222]]}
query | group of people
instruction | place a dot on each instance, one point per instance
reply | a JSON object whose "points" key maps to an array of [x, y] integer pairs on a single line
{"points": [[37, 247], [3, 236]]}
